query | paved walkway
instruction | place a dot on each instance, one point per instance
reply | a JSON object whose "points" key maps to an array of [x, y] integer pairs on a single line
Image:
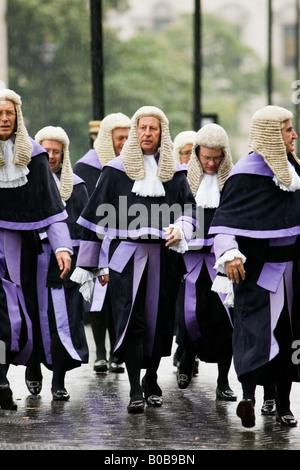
{"points": [[96, 418]]}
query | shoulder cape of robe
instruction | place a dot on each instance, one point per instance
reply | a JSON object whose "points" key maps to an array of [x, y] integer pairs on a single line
{"points": [[35, 205], [253, 206], [89, 169]]}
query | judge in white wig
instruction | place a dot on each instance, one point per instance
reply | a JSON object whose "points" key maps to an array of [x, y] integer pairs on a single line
{"points": [[61, 304], [256, 228], [183, 144], [204, 324], [113, 133], [141, 265], [30, 201]]}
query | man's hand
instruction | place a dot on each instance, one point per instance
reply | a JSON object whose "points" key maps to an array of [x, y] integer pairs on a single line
{"points": [[235, 270], [103, 279], [174, 236], [64, 262]]}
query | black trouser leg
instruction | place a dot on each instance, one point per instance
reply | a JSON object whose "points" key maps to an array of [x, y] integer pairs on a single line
{"points": [[134, 361], [283, 390], [248, 386], [98, 324], [150, 384], [223, 351], [3, 374]]}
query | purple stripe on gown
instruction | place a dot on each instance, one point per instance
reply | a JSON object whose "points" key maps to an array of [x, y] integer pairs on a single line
{"points": [[99, 294], [60, 309], [33, 225], [12, 250], [25, 353], [142, 253], [194, 262], [15, 319], [62, 321], [10, 253], [42, 272]]}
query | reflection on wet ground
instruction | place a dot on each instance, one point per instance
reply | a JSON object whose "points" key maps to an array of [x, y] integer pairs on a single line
{"points": [[96, 417]]}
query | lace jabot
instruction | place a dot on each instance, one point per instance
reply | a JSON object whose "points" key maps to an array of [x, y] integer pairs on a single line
{"points": [[11, 176]]}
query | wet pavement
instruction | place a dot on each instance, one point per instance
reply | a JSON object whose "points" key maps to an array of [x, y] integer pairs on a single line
{"points": [[96, 417]]}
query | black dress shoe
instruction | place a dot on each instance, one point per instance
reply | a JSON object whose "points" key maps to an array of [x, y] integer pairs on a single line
{"points": [[268, 408], [245, 411], [60, 395], [34, 386], [100, 366], [152, 393], [286, 419], [117, 368], [154, 400], [183, 380], [136, 406], [6, 398], [225, 395]]}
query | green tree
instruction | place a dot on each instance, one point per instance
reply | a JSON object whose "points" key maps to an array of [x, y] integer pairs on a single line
{"points": [[158, 69], [50, 67]]}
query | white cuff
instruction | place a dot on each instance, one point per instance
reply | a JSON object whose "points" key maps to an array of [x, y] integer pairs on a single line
{"points": [[182, 246], [228, 256], [87, 290], [103, 271], [64, 249], [81, 276], [222, 285]]}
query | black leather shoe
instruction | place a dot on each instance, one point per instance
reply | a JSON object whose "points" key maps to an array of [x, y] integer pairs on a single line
{"points": [[6, 398], [286, 419], [183, 380], [152, 393], [154, 400], [268, 408], [136, 406], [60, 395], [100, 366], [226, 395], [34, 386], [245, 411], [117, 368]]}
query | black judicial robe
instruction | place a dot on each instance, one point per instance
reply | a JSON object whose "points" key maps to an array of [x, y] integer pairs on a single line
{"points": [[136, 228], [60, 302], [265, 220], [23, 211]]}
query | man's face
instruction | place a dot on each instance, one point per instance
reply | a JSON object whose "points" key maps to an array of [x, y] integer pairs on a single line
{"points": [[55, 151], [289, 135], [119, 137], [8, 119], [149, 134], [210, 159]]}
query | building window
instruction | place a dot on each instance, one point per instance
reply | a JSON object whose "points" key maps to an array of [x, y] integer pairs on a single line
{"points": [[289, 44]]}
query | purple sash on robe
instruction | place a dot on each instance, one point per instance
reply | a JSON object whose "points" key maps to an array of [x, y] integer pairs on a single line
{"points": [[143, 253], [59, 306], [194, 262]]}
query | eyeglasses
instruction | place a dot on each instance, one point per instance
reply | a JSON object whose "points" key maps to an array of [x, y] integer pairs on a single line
{"points": [[186, 154], [55, 152], [211, 159], [8, 114]]}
